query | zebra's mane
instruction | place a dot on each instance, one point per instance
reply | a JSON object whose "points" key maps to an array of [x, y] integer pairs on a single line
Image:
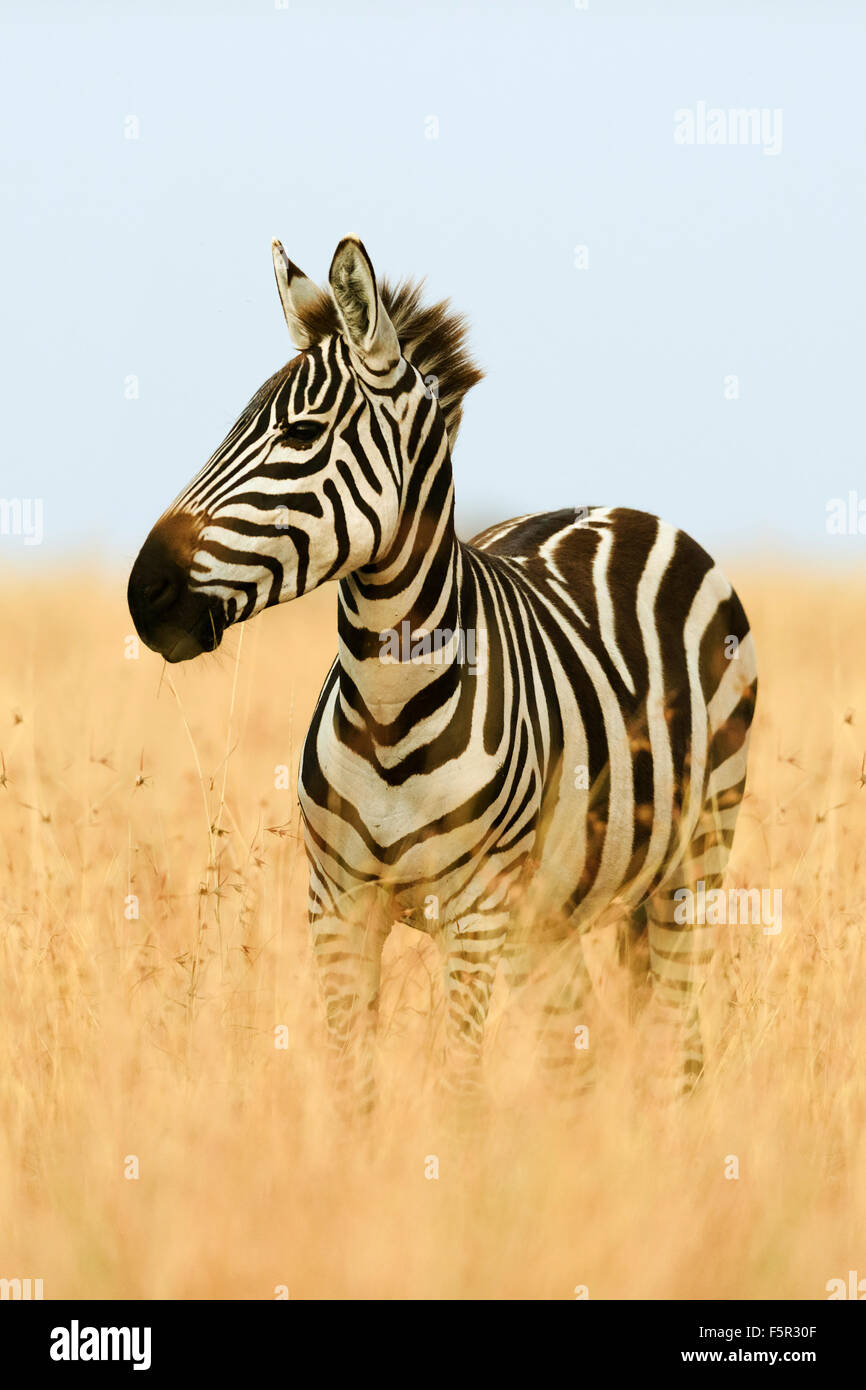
{"points": [[432, 337]]}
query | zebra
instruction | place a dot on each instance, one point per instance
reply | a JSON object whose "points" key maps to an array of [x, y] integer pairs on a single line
{"points": [[588, 764]]}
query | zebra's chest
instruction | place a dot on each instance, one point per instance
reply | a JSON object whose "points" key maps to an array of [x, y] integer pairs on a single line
{"points": [[383, 822], [368, 817]]}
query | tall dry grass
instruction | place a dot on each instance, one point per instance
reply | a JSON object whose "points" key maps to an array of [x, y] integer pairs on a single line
{"points": [[154, 1035]]}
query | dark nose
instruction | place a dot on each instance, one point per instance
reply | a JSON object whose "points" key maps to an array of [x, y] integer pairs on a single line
{"points": [[157, 582], [170, 615], [161, 594]]}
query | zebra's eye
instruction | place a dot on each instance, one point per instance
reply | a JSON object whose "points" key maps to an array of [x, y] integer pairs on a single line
{"points": [[301, 431]]}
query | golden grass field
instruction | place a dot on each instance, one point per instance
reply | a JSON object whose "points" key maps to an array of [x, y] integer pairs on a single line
{"points": [[154, 1036]]}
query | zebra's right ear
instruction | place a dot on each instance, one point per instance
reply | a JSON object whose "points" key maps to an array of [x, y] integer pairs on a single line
{"points": [[297, 292]]}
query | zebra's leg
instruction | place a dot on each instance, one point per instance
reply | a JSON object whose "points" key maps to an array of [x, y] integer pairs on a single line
{"points": [[633, 954], [557, 991], [565, 1040], [347, 951], [681, 943], [472, 948], [680, 957]]}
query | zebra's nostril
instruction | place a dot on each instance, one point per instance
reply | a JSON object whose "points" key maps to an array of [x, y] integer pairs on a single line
{"points": [[161, 594]]}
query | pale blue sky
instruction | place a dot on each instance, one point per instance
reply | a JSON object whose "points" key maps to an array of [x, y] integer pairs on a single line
{"points": [[556, 129]]}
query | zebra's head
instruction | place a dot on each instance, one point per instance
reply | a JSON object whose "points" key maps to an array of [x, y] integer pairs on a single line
{"points": [[311, 482]]}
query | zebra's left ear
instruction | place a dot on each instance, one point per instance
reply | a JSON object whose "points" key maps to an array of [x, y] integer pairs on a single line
{"points": [[366, 324], [297, 293]]}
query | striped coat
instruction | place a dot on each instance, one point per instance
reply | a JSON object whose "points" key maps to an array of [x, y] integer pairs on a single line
{"points": [[519, 737]]}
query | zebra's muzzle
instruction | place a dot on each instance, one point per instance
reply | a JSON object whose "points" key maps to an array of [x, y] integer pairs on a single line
{"points": [[171, 617]]}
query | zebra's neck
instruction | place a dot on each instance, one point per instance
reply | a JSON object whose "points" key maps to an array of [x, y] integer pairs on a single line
{"points": [[400, 638]]}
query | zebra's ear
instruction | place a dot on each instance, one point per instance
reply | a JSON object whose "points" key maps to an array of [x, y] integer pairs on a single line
{"points": [[366, 324], [297, 293]]}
